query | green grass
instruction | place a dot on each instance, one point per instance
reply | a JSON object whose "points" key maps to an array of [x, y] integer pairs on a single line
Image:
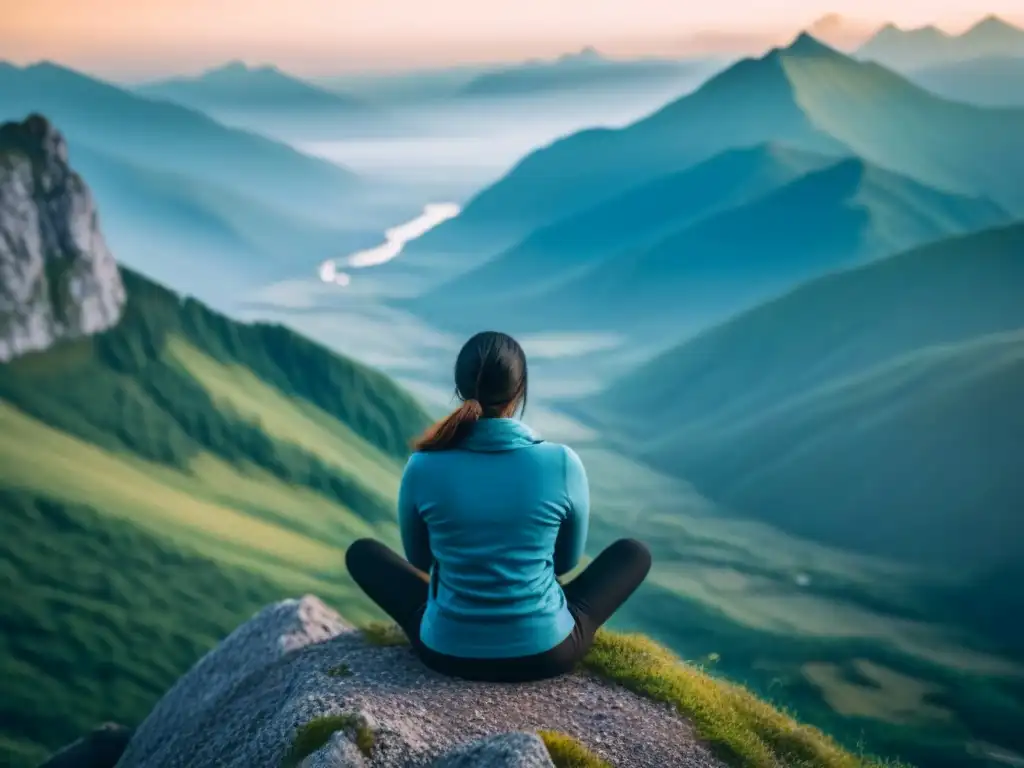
{"points": [[384, 634], [567, 752], [316, 733], [161, 482], [99, 618], [742, 729]]}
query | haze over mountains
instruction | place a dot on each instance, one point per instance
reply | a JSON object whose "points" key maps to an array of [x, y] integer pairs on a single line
{"points": [[577, 75], [180, 188], [929, 46], [587, 71], [268, 100], [788, 96], [597, 232], [237, 86], [212, 241], [169, 138]]}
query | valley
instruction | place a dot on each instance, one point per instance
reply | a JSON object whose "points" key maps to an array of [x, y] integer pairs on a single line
{"points": [[774, 304]]}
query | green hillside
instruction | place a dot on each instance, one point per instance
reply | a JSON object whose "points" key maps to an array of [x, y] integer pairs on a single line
{"points": [[948, 292], [874, 414], [161, 481], [807, 96], [935, 431], [903, 371], [843, 214], [165, 137]]}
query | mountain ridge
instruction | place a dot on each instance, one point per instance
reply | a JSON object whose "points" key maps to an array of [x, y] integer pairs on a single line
{"points": [[582, 71], [550, 254], [236, 85], [853, 360], [845, 212], [806, 303], [797, 103], [905, 49], [110, 119]]}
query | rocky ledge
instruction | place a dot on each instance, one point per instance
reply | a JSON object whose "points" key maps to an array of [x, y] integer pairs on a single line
{"points": [[297, 686]]}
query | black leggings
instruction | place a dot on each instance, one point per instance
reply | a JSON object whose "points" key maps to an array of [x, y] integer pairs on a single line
{"points": [[593, 596]]}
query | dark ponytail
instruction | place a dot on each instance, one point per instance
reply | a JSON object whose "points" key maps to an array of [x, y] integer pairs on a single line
{"points": [[490, 377], [450, 430]]}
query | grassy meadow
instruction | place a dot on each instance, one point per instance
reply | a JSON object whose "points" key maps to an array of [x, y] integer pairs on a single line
{"points": [[161, 482]]}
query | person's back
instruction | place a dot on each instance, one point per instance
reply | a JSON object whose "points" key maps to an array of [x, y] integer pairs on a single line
{"points": [[506, 513], [490, 516]]}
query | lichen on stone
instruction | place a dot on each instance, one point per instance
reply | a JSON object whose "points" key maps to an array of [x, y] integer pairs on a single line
{"points": [[316, 733], [567, 752]]}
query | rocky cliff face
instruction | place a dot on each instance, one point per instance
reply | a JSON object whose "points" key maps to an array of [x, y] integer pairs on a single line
{"points": [[58, 279]]}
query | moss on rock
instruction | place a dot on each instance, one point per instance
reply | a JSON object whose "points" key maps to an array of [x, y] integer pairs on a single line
{"points": [[567, 752], [316, 733]]}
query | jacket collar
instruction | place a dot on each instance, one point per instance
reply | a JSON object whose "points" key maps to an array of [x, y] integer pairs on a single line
{"points": [[493, 435]]}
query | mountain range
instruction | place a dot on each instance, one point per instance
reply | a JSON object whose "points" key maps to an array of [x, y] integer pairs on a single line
{"points": [[834, 216], [807, 96], [267, 100], [237, 86], [873, 408], [552, 254], [168, 138], [929, 46], [585, 72]]}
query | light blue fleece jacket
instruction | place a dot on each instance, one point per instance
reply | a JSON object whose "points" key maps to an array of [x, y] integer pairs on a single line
{"points": [[494, 521]]}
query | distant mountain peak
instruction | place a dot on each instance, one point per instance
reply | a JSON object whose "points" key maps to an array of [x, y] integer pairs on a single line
{"points": [[993, 25], [992, 21], [47, 66], [807, 44], [586, 54], [891, 32], [238, 68]]}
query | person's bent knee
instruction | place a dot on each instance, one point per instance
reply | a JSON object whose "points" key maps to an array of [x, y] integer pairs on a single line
{"points": [[636, 551], [359, 550]]}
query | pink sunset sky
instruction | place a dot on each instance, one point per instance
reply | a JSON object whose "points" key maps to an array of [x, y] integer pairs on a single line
{"points": [[149, 37]]}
